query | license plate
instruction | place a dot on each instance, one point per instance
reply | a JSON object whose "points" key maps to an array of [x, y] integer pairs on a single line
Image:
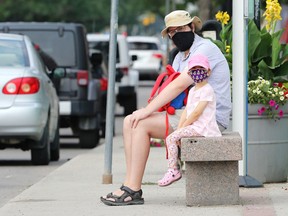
{"points": [[65, 107]]}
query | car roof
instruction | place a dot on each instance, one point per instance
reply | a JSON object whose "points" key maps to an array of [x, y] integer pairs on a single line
{"points": [[151, 39], [37, 25], [101, 37], [11, 36]]}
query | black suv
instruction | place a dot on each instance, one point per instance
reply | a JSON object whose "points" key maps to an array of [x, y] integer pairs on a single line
{"points": [[65, 46]]}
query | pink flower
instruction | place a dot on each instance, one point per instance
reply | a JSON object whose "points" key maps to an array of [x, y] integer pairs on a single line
{"points": [[276, 106], [272, 103], [261, 110], [281, 113]]}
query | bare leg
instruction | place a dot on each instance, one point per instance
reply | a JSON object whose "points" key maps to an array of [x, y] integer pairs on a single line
{"points": [[137, 147]]}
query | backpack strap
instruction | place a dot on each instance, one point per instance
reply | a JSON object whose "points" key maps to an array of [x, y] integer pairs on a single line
{"points": [[157, 84], [166, 132]]}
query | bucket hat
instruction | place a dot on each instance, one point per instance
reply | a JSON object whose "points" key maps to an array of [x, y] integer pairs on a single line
{"points": [[180, 18]]}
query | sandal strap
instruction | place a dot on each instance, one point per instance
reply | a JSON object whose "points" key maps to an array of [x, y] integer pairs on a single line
{"points": [[127, 189], [132, 192], [135, 197]]}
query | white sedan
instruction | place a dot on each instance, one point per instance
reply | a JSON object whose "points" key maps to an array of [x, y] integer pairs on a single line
{"points": [[149, 55], [29, 109]]}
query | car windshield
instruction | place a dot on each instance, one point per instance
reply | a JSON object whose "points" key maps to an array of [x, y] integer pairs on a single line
{"points": [[52, 43], [103, 46], [142, 46], [13, 54]]}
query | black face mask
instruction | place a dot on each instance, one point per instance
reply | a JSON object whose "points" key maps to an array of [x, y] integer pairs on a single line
{"points": [[183, 40]]}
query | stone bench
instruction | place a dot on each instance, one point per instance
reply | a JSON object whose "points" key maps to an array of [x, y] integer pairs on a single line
{"points": [[212, 176]]}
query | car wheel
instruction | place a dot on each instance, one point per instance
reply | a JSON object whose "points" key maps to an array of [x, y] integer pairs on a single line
{"points": [[41, 156], [55, 146], [130, 104], [89, 138]]}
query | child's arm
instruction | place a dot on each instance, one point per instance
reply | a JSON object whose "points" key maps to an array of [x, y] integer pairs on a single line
{"points": [[196, 113], [183, 118]]}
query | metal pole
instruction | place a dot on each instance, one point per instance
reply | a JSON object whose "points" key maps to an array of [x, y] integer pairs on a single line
{"points": [[239, 76], [167, 9], [107, 176], [257, 13]]}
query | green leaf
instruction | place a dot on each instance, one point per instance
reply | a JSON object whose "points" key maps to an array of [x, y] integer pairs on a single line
{"points": [[266, 72], [254, 39], [276, 48], [263, 49]]}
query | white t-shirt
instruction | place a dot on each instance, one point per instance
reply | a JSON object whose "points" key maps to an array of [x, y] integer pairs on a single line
{"points": [[220, 76], [206, 124]]}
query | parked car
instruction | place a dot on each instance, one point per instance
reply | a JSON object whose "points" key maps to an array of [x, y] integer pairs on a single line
{"points": [[126, 78], [29, 107], [149, 55], [79, 93]]}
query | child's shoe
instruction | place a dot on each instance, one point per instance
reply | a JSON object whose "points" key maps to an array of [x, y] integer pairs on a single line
{"points": [[170, 176]]}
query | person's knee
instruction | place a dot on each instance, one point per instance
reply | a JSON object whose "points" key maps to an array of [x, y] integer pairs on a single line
{"points": [[126, 122]]}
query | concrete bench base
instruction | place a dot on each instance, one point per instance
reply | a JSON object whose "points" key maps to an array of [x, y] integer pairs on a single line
{"points": [[212, 176], [212, 183]]}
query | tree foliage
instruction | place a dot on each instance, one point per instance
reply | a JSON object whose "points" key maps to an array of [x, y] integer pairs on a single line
{"points": [[95, 15]]}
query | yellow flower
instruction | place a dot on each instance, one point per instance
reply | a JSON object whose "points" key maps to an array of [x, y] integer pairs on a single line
{"points": [[272, 14], [222, 17], [227, 49]]}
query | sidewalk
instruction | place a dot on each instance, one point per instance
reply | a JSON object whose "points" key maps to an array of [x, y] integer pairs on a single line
{"points": [[74, 189]]}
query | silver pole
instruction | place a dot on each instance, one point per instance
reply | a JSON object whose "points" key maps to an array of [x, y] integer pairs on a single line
{"points": [[167, 10], [239, 76], [107, 176]]}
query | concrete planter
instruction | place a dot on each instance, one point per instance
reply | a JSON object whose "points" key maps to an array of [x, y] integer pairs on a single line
{"points": [[267, 153]]}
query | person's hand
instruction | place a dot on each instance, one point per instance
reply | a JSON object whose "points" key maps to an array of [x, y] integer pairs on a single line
{"points": [[138, 115]]}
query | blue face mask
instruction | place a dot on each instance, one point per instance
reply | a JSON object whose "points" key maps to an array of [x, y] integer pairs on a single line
{"points": [[198, 75]]}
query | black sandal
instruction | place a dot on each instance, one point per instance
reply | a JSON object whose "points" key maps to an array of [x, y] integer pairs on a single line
{"points": [[136, 198]]}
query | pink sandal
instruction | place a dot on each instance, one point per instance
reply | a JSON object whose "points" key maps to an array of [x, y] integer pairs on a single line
{"points": [[170, 176]]}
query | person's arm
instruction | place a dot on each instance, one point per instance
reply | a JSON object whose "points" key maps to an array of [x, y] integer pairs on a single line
{"points": [[170, 92], [183, 118], [196, 113]]}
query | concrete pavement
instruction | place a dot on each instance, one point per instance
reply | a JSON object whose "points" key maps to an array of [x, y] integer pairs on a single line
{"points": [[74, 189]]}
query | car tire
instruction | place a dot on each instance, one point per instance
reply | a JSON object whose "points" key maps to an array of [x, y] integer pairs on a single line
{"points": [[55, 146], [41, 156], [130, 104], [89, 138]]}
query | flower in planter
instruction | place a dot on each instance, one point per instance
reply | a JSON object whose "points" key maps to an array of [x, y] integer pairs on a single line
{"points": [[271, 95], [267, 60], [157, 142], [267, 57]]}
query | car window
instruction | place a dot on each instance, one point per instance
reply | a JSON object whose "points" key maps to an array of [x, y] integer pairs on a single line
{"points": [[103, 46], [52, 43], [13, 53], [142, 46]]}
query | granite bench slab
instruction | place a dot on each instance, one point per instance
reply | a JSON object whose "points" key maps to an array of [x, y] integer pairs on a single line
{"points": [[212, 176]]}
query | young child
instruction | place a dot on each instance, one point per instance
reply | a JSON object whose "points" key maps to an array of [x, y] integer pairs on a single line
{"points": [[198, 118]]}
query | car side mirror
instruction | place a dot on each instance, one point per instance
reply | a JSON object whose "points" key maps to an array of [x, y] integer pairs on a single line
{"points": [[59, 73], [96, 58], [134, 57]]}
